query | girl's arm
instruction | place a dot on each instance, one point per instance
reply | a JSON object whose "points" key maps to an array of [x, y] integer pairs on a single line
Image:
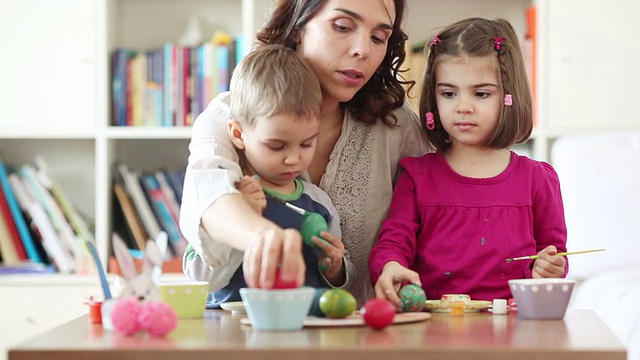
{"points": [[549, 227]]}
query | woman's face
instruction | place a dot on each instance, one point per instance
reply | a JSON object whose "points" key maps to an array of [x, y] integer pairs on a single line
{"points": [[345, 42]]}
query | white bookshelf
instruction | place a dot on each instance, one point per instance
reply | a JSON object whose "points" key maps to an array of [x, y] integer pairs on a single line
{"points": [[55, 94]]}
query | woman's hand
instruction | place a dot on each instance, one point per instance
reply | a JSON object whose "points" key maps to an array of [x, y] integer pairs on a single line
{"points": [[391, 279], [549, 264], [252, 193], [274, 248], [331, 262]]}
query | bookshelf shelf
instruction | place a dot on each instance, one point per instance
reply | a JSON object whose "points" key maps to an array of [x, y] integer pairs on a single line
{"points": [[125, 132]]}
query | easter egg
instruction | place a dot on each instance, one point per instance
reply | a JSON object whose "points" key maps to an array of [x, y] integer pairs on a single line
{"points": [[378, 313], [315, 304], [312, 225], [337, 303], [412, 298], [282, 284]]}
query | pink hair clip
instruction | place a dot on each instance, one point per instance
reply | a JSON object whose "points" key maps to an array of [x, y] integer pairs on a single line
{"points": [[508, 100], [431, 123], [497, 42], [435, 41]]}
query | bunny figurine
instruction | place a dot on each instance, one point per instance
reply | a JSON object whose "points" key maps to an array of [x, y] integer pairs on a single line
{"points": [[139, 306], [138, 285]]}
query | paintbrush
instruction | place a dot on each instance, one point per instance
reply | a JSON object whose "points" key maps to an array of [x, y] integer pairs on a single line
{"points": [[533, 257], [297, 209], [312, 224]]}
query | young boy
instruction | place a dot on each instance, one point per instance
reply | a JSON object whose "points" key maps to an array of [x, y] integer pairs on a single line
{"points": [[275, 102]]}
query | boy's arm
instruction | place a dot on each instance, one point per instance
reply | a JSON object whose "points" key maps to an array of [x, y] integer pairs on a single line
{"points": [[197, 269]]}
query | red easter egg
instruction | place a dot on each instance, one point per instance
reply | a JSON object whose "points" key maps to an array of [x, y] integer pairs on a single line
{"points": [[378, 313], [281, 284]]}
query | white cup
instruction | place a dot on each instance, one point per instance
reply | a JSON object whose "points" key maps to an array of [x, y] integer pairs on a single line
{"points": [[499, 306]]}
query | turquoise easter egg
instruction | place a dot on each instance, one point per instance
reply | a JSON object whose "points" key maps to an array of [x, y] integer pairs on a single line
{"points": [[412, 297], [312, 225]]}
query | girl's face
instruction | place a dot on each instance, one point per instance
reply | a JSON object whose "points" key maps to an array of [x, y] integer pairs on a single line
{"points": [[345, 42], [469, 96], [279, 148]]}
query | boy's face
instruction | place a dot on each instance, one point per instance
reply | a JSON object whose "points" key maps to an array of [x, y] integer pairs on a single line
{"points": [[280, 148]]}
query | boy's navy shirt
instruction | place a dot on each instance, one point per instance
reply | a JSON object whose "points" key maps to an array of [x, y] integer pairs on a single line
{"points": [[287, 219]]}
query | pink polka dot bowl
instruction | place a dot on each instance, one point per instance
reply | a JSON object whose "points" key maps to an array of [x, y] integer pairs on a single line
{"points": [[542, 299]]}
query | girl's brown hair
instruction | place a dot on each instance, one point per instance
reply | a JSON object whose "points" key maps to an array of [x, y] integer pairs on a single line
{"points": [[383, 93], [476, 37]]}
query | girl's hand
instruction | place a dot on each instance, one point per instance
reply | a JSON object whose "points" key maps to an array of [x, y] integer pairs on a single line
{"points": [[272, 249], [331, 262], [252, 193], [391, 279], [548, 264]]}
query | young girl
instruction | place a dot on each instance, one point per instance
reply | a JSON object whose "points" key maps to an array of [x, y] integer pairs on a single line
{"points": [[458, 213]]}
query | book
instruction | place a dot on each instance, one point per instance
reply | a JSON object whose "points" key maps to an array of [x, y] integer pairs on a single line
{"points": [[161, 209], [8, 250], [134, 189], [131, 216], [27, 268], [21, 225], [12, 231], [72, 243], [80, 227], [50, 240], [169, 196]]}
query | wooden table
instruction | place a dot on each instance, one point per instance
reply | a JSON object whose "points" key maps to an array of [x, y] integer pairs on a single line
{"points": [[581, 335]]}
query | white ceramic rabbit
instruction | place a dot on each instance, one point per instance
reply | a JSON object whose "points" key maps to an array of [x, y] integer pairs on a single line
{"points": [[138, 285]]}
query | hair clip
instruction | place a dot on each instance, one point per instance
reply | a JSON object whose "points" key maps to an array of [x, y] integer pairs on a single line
{"points": [[435, 41], [508, 100], [431, 123], [497, 42]]}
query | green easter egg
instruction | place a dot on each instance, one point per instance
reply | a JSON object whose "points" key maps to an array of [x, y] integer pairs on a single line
{"points": [[312, 225], [337, 303], [412, 297]]}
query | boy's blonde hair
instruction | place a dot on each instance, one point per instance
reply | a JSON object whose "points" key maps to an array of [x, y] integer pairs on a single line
{"points": [[476, 37], [273, 80]]}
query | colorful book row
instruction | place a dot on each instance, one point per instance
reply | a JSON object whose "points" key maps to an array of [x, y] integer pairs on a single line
{"points": [[171, 85], [38, 223]]}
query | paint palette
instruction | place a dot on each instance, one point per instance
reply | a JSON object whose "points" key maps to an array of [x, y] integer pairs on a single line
{"points": [[444, 306], [236, 307], [354, 320]]}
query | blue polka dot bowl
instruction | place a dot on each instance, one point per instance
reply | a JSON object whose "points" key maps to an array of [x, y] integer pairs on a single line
{"points": [[542, 299], [280, 310]]}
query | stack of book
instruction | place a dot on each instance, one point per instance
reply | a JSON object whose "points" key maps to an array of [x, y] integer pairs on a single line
{"points": [[146, 204], [38, 223]]}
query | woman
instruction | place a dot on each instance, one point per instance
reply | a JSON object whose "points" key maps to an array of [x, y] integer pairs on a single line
{"points": [[355, 47]]}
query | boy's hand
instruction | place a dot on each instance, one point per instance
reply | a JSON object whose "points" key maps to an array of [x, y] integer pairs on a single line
{"points": [[252, 193], [331, 262], [548, 264], [271, 250], [391, 279]]}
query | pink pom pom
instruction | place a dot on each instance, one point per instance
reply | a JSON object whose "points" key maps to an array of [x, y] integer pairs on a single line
{"points": [[158, 318], [124, 316]]}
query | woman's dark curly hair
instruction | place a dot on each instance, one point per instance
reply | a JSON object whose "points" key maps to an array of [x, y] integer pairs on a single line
{"points": [[383, 93]]}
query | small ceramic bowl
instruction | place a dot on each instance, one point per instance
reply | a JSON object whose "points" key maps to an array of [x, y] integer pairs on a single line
{"points": [[447, 299], [284, 309], [187, 298], [543, 299]]}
